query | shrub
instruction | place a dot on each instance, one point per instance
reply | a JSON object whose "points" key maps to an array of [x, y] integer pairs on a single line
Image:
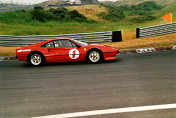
{"points": [[140, 13], [76, 16], [124, 7], [142, 19], [148, 6], [59, 14], [114, 13], [144, 8], [39, 14], [38, 8]]}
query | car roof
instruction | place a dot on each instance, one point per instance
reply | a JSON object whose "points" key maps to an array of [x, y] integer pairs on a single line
{"points": [[41, 43], [59, 39], [56, 39]]}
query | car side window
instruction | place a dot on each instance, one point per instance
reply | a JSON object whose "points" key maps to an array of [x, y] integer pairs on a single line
{"points": [[50, 44], [73, 44], [60, 43], [57, 43], [65, 43]]}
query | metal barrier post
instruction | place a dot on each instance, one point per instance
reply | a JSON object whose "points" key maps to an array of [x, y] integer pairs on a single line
{"points": [[137, 32], [116, 36]]}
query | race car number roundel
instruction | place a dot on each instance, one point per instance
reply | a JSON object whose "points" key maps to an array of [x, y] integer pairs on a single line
{"points": [[73, 53]]}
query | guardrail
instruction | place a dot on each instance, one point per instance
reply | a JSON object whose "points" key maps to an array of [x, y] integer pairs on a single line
{"points": [[156, 30], [97, 37]]}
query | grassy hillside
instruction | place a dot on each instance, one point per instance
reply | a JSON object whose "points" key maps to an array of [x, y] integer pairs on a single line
{"points": [[135, 2], [90, 11]]}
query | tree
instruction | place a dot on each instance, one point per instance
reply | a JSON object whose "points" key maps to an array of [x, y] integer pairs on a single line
{"points": [[148, 6], [39, 14], [114, 13]]}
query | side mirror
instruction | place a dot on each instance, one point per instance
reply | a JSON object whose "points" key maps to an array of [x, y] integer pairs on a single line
{"points": [[78, 46]]}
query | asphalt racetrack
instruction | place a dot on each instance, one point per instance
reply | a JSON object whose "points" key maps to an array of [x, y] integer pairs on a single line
{"points": [[132, 80]]}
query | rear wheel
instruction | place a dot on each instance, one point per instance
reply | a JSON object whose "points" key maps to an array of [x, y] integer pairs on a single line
{"points": [[36, 59], [94, 56]]}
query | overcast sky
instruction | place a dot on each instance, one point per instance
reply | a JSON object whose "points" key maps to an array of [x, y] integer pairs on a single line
{"points": [[32, 1]]}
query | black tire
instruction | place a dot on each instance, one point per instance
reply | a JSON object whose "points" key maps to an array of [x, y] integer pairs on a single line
{"points": [[94, 56], [36, 59]]}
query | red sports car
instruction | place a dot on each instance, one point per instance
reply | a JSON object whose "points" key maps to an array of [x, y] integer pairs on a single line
{"points": [[64, 50]]}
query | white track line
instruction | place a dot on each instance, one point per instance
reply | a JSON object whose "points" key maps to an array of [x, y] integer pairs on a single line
{"points": [[112, 111]]}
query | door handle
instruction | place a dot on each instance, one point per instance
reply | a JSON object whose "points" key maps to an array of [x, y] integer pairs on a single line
{"points": [[49, 49]]}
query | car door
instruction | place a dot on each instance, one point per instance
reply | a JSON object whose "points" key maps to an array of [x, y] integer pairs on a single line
{"points": [[67, 51], [49, 52]]}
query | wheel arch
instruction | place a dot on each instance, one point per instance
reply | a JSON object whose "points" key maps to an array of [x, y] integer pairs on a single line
{"points": [[33, 52], [94, 49]]}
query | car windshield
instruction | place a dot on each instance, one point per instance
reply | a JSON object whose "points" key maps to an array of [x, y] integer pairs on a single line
{"points": [[80, 43]]}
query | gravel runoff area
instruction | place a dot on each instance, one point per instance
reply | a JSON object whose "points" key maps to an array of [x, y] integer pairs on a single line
{"points": [[125, 51]]}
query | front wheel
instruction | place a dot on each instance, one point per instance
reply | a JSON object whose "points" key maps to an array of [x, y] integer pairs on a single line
{"points": [[94, 56], [36, 59]]}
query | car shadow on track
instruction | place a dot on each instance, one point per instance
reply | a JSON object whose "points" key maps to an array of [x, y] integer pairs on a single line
{"points": [[71, 63]]}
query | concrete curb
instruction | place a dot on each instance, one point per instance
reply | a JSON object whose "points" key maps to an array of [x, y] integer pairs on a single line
{"points": [[126, 51], [2, 58], [146, 50], [10, 58]]}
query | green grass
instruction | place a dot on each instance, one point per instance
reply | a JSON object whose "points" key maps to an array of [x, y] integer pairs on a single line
{"points": [[20, 17], [54, 28]]}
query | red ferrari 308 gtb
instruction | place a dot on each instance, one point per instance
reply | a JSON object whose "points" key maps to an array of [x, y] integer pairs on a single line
{"points": [[64, 50]]}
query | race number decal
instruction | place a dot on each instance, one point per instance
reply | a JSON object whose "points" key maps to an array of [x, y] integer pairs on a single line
{"points": [[73, 53]]}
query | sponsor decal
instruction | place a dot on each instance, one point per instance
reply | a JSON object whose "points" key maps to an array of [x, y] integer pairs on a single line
{"points": [[145, 50], [73, 53], [26, 50]]}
